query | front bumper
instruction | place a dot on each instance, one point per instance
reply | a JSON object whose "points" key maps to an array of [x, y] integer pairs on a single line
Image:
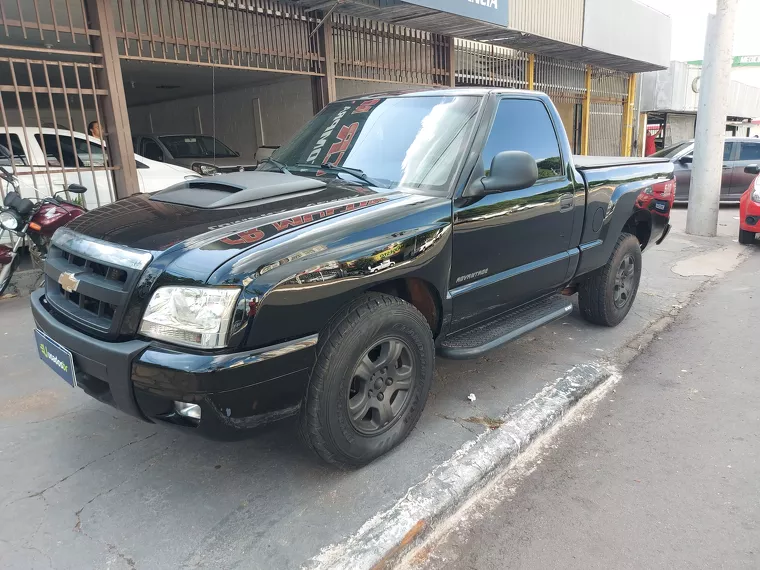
{"points": [[749, 214], [236, 392]]}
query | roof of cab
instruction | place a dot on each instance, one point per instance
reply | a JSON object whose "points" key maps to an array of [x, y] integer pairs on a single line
{"points": [[445, 92]]}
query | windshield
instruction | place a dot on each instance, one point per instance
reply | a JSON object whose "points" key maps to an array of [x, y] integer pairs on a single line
{"points": [[671, 151], [196, 146], [415, 142]]}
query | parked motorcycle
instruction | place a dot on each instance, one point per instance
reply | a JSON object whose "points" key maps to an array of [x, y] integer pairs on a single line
{"points": [[23, 218]]}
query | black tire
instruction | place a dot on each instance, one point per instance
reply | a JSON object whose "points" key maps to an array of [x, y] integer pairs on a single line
{"points": [[606, 296], [355, 338], [746, 238]]}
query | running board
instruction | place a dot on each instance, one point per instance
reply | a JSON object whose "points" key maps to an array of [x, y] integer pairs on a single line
{"points": [[505, 328]]}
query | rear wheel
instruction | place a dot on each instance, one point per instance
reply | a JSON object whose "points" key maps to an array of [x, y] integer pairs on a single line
{"points": [[370, 382], [606, 296], [746, 237]]}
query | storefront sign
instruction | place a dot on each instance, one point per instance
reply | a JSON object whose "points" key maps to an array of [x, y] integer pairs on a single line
{"points": [[492, 11]]}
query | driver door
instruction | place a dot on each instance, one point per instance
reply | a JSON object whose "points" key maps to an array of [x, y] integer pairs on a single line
{"points": [[511, 247]]}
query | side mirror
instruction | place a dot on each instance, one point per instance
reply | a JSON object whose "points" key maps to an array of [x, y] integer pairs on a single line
{"points": [[510, 170], [752, 169], [76, 189], [687, 159]]}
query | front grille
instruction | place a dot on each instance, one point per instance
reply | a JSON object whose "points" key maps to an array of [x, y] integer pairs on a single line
{"points": [[98, 301]]}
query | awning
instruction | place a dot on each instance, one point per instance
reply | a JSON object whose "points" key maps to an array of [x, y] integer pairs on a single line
{"points": [[473, 21]]}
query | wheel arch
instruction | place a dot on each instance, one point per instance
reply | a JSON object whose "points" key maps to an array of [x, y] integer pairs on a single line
{"points": [[419, 293], [639, 224]]}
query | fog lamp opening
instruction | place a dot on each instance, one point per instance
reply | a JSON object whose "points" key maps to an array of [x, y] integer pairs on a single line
{"points": [[188, 410]]}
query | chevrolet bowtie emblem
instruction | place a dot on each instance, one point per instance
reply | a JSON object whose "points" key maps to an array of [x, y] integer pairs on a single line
{"points": [[68, 281]]}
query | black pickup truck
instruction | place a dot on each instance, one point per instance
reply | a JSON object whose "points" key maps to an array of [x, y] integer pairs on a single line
{"points": [[322, 284]]}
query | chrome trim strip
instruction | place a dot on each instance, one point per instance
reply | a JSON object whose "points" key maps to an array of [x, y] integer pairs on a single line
{"points": [[202, 364], [100, 250], [591, 244], [491, 279]]}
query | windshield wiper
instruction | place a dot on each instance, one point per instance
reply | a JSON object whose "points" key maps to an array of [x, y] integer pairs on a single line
{"points": [[280, 165], [355, 172]]}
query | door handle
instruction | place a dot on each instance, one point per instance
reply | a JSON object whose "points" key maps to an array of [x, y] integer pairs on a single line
{"points": [[566, 202], [726, 167]]}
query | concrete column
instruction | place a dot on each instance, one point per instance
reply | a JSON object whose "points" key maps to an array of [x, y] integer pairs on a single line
{"points": [[704, 195], [116, 129]]}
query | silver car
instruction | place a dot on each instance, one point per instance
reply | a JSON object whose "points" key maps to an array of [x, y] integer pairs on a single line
{"points": [[203, 153], [738, 153]]}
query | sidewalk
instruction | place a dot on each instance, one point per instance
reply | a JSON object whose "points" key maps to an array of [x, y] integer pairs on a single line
{"points": [[664, 473]]}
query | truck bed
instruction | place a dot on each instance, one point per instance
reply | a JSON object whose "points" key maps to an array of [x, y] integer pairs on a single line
{"points": [[592, 162]]}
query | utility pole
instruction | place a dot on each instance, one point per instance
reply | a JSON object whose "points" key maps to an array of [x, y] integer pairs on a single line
{"points": [[707, 171]]}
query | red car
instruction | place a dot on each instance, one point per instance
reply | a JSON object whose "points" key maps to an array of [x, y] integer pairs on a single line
{"points": [[749, 209]]}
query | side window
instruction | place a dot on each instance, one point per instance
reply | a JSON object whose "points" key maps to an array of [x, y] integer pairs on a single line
{"points": [[728, 149], [749, 151], [92, 157], [66, 156], [16, 151], [151, 150], [524, 124], [141, 164]]}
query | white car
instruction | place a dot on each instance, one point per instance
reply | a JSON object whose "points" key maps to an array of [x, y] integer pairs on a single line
{"points": [[74, 161], [385, 264]]}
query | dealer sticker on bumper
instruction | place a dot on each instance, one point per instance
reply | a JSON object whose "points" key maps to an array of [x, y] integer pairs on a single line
{"points": [[56, 357]]}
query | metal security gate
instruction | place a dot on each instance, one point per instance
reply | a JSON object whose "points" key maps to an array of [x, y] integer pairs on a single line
{"points": [[48, 98], [388, 53], [248, 34], [609, 94], [481, 64], [564, 82]]}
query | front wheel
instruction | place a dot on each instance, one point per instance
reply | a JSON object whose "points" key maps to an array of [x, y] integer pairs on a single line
{"points": [[606, 296], [746, 238], [370, 382]]}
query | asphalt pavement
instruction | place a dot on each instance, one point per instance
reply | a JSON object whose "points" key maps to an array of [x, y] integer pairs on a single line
{"points": [[86, 487], [663, 472]]}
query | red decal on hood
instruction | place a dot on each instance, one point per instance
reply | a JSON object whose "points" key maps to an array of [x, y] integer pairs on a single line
{"points": [[255, 235]]}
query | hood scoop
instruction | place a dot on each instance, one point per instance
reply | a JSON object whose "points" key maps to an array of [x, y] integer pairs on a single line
{"points": [[234, 190]]}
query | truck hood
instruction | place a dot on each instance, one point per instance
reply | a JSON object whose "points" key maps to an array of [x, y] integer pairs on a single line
{"points": [[154, 223]]}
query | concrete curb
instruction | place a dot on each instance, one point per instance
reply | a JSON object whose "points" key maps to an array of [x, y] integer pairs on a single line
{"points": [[382, 540]]}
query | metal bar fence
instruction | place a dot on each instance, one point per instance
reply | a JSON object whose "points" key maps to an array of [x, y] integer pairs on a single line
{"points": [[48, 96], [248, 34], [609, 93], [388, 53]]}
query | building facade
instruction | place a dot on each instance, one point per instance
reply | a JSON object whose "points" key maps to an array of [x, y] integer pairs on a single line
{"points": [[669, 100], [252, 72]]}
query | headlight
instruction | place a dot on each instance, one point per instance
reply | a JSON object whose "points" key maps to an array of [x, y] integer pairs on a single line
{"points": [[205, 169], [649, 191], [192, 177], [756, 191], [191, 316], [9, 220]]}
